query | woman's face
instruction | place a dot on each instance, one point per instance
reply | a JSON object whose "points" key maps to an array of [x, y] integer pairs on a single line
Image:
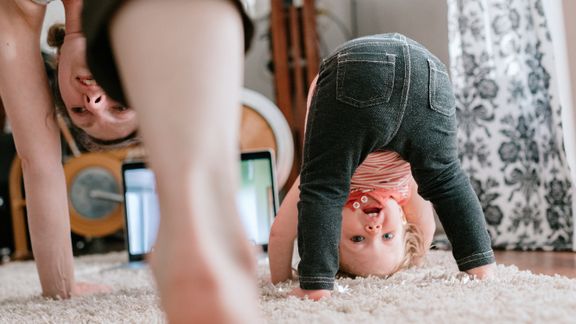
{"points": [[88, 106]]}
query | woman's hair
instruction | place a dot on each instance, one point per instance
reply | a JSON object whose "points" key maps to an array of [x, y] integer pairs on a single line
{"points": [[56, 35]]}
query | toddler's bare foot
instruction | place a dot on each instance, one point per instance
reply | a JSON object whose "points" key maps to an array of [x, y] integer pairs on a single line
{"points": [[483, 272], [311, 294]]}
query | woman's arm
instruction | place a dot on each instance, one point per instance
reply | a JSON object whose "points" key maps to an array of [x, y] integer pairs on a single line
{"points": [[420, 213], [25, 92], [282, 236]]}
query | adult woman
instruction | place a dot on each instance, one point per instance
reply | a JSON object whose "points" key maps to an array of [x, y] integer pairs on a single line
{"points": [[202, 261], [25, 92]]}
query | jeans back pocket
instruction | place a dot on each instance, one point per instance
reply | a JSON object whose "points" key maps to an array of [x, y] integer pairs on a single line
{"points": [[441, 95], [365, 79]]}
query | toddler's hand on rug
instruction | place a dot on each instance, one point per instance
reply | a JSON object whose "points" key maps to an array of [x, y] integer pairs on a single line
{"points": [[311, 294], [483, 272], [86, 288]]}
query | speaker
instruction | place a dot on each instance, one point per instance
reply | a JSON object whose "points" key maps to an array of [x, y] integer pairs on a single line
{"points": [[8, 151]]}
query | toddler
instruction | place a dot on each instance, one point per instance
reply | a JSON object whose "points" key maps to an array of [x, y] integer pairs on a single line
{"points": [[376, 95]]}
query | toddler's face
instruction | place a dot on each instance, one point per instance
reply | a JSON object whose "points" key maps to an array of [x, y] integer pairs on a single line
{"points": [[372, 240]]}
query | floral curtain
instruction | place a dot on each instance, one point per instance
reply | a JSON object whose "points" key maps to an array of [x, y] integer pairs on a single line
{"points": [[510, 127]]}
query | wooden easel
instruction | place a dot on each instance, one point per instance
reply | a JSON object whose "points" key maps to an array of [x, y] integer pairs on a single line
{"points": [[296, 63]]}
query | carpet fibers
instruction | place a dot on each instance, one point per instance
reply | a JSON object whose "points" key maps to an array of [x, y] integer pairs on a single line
{"points": [[433, 293]]}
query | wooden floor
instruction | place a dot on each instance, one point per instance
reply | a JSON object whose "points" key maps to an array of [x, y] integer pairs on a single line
{"points": [[549, 263]]}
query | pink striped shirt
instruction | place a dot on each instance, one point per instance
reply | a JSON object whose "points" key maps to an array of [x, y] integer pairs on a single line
{"points": [[383, 171]]}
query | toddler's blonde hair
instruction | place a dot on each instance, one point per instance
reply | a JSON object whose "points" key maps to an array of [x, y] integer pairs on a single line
{"points": [[414, 250]]}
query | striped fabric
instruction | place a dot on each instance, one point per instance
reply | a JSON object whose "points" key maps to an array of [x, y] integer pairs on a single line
{"points": [[383, 171]]}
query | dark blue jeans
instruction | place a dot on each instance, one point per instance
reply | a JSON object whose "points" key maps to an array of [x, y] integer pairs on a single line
{"points": [[383, 92]]}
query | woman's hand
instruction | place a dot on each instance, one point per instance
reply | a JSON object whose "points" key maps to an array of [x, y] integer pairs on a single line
{"points": [[86, 288], [314, 295]]}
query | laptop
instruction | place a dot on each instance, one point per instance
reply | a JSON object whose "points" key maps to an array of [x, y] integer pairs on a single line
{"points": [[141, 210], [257, 202], [257, 198]]}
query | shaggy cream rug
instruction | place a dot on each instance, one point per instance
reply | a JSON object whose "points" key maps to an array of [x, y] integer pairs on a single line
{"points": [[435, 292]]}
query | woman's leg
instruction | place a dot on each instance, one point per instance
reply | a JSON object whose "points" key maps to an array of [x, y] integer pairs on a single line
{"points": [[181, 66]]}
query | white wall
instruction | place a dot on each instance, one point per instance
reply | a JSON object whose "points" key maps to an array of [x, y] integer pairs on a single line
{"points": [[425, 21], [54, 14], [569, 11], [560, 16], [257, 75]]}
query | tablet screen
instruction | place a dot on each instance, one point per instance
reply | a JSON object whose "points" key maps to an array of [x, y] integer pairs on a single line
{"points": [[257, 202], [142, 210], [257, 197]]}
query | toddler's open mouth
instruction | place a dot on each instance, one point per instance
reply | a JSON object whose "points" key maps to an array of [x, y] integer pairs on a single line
{"points": [[372, 211]]}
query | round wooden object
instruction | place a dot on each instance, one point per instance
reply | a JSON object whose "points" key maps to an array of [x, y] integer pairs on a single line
{"points": [[85, 175], [264, 127], [256, 132]]}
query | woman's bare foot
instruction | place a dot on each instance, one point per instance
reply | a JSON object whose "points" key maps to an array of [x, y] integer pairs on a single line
{"points": [[87, 288], [204, 281]]}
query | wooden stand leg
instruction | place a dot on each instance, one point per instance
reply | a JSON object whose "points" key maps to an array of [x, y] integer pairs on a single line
{"points": [[310, 40], [280, 58], [296, 63], [18, 205]]}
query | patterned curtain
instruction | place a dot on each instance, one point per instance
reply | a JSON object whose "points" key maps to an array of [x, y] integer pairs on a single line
{"points": [[510, 127]]}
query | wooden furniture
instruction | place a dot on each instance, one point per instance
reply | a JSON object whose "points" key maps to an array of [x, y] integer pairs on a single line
{"points": [[92, 174], [296, 63], [264, 127]]}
